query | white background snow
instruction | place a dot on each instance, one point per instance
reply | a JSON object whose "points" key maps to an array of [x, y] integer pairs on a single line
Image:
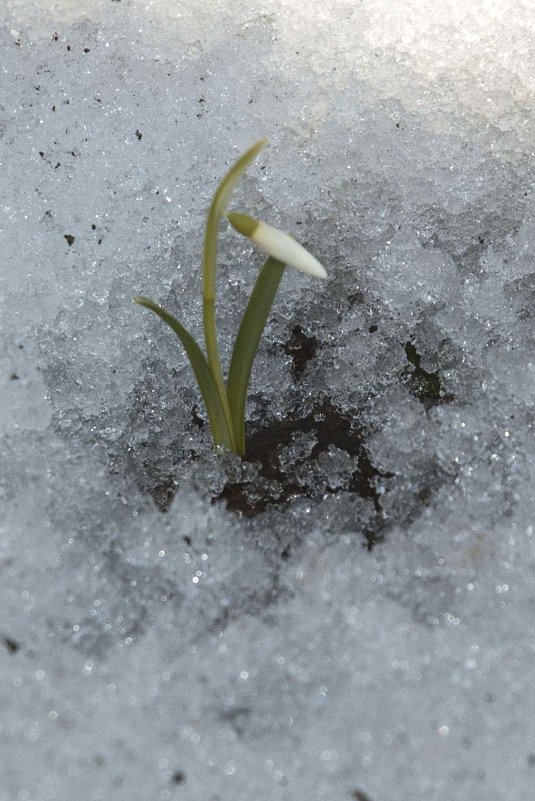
{"points": [[196, 653]]}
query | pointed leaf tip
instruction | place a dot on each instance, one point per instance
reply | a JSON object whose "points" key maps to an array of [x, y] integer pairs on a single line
{"points": [[225, 188]]}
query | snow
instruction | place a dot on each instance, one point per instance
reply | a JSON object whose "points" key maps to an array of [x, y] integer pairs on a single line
{"points": [[349, 614]]}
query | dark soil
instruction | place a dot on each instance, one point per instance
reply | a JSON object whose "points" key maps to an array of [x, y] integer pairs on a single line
{"points": [[330, 427]]}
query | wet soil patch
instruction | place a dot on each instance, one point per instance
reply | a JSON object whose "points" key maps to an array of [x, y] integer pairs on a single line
{"points": [[289, 460], [301, 349], [278, 485], [427, 387], [163, 493]]}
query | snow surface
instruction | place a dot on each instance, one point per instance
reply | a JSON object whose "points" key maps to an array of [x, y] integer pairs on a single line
{"points": [[370, 636]]}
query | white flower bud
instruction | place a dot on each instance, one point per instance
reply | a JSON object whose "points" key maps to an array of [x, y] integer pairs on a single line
{"points": [[276, 243]]}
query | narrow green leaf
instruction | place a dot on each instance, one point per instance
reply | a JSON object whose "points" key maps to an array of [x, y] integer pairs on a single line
{"points": [[246, 345], [209, 263], [209, 390]]}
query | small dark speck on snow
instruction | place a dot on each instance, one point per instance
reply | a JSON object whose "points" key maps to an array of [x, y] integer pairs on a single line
{"points": [[358, 795], [12, 645]]}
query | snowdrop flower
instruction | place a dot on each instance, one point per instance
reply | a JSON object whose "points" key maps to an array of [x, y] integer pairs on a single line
{"points": [[277, 244], [226, 401]]}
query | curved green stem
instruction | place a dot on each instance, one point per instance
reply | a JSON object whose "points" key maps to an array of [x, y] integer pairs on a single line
{"points": [[209, 269]]}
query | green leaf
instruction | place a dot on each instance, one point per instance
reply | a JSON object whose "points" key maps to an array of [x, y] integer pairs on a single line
{"points": [[246, 345], [209, 263], [209, 390]]}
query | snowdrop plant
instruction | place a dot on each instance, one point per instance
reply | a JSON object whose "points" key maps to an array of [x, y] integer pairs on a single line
{"points": [[225, 403]]}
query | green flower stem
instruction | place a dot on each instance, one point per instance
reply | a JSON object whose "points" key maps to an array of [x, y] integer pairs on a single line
{"points": [[209, 269], [208, 309], [214, 367]]}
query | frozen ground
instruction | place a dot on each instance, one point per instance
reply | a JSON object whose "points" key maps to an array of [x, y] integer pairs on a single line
{"points": [[358, 624]]}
